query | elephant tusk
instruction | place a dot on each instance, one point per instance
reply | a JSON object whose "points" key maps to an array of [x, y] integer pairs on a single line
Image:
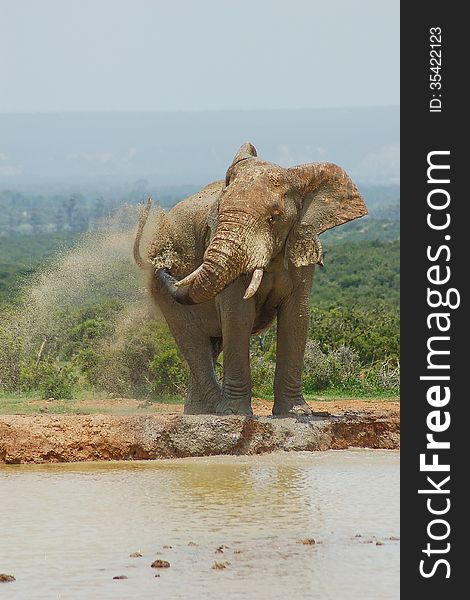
{"points": [[254, 284], [189, 278]]}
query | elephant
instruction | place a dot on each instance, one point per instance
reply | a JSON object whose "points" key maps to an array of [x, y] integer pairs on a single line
{"points": [[229, 260]]}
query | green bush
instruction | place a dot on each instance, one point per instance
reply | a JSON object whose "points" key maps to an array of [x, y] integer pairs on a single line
{"points": [[89, 363], [372, 331], [262, 374], [355, 350], [169, 373], [50, 378], [11, 352], [337, 368], [139, 361], [383, 376], [77, 328], [359, 273]]}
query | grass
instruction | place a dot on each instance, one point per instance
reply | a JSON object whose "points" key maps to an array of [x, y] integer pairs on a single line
{"points": [[27, 404], [340, 394], [85, 402]]}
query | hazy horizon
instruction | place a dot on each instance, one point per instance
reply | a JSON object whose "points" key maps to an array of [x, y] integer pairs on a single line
{"points": [[180, 147]]}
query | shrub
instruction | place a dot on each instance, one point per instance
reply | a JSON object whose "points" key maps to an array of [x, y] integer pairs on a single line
{"points": [[170, 375], [89, 362], [262, 373], [50, 378], [140, 360], [372, 331], [10, 358], [383, 376], [337, 368]]}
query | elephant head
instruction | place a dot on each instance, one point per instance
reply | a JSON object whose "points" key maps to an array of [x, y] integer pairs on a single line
{"points": [[262, 211]]}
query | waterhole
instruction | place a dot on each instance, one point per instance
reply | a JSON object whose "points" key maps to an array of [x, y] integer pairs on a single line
{"points": [[300, 526]]}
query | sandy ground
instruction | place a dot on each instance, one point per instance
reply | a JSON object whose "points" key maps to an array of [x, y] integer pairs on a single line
{"points": [[261, 407]]}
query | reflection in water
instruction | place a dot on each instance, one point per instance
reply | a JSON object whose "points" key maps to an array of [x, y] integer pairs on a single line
{"points": [[66, 530]]}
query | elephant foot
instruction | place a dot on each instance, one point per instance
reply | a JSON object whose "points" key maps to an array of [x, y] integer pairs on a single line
{"points": [[292, 409], [198, 406], [235, 407], [234, 411], [197, 409]]}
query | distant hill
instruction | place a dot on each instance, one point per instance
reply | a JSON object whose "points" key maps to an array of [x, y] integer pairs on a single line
{"points": [[87, 149]]}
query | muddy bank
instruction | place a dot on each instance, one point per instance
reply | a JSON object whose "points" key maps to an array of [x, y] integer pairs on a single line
{"points": [[73, 438]]}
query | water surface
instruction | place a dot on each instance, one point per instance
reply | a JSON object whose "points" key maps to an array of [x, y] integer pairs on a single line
{"points": [[67, 530]]}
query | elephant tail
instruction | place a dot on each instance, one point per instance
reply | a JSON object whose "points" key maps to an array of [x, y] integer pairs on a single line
{"points": [[144, 213]]}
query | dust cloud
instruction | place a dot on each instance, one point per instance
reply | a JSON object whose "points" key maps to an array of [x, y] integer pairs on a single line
{"points": [[98, 268]]}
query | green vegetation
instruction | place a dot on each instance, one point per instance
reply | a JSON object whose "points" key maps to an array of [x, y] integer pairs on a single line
{"points": [[365, 273], [364, 230], [105, 343]]}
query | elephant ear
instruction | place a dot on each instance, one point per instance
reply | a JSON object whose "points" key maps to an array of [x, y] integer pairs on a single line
{"points": [[328, 198], [247, 150]]}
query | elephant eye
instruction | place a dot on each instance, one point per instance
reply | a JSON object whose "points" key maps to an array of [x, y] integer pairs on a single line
{"points": [[274, 217]]}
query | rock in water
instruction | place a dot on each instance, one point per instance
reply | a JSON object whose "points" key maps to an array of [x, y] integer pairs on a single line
{"points": [[160, 564], [218, 566]]}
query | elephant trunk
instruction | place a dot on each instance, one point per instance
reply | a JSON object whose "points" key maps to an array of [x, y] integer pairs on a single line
{"points": [[224, 261], [226, 258]]}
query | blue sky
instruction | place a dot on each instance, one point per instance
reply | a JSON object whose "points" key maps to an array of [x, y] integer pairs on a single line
{"points": [[155, 55]]}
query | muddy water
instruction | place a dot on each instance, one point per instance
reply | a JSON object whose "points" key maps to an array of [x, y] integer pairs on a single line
{"points": [[67, 530]]}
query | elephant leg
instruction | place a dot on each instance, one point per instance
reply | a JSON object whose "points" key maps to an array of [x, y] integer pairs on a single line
{"points": [[292, 332], [237, 317], [197, 348], [204, 393]]}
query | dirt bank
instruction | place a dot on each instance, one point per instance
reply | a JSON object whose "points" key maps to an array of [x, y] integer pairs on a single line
{"points": [[72, 438]]}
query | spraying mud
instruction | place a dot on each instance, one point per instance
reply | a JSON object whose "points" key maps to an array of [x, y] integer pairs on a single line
{"points": [[99, 267]]}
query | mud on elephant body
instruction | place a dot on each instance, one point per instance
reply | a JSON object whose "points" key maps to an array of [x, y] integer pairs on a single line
{"points": [[229, 260]]}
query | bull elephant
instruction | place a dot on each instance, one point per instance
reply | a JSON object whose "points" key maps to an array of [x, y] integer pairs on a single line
{"points": [[228, 261]]}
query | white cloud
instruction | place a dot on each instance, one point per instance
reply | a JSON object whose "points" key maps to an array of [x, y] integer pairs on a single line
{"points": [[3, 156]]}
